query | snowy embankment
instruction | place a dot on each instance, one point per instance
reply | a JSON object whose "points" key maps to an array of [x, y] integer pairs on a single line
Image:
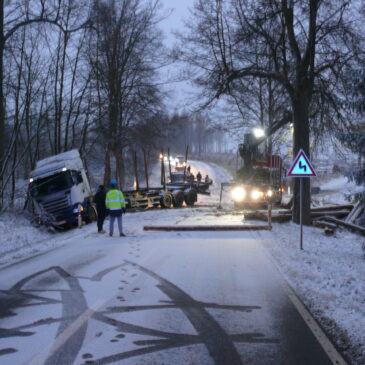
{"points": [[19, 239]]}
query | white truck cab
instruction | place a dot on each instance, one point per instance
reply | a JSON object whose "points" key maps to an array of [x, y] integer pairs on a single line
{"points": [[60, 189]]}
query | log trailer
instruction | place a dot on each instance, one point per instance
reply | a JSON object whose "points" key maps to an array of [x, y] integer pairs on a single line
{"points": [[173, 193], [260, 180]]}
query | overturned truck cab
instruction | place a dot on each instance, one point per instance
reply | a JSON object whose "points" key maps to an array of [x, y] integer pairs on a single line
{"points": [[60, 192]]}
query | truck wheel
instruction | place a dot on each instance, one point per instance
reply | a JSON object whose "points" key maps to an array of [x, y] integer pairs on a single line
{"points": [[190, 196], [178, 199], [92, 215], [166, 200]]}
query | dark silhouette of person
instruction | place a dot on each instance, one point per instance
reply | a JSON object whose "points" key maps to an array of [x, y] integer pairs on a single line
{"points": [[99, 200], [199, 176]]}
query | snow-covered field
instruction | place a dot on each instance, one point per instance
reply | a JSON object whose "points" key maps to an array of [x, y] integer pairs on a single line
{"points": [[328, 275]]}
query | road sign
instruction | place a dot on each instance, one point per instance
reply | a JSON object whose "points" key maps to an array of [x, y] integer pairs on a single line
{"points": [[301, 166]]}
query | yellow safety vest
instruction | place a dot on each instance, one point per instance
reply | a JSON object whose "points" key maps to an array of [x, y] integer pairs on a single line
{"points": [[114, 200]]}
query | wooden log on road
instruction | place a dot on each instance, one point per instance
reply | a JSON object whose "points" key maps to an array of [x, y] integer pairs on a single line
{"points": [[338, 213], [208, 228], [287, 216], [324, 224], [335, 213], [329, 208], [349, 226], [356, 212]]}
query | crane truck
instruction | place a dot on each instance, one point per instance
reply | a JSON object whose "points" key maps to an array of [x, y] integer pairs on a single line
{"points": [[260, 179]]}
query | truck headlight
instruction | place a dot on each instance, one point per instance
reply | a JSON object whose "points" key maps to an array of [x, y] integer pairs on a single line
{"points": [[270, 193], [255, 194], [238, 194], [78, 209]]}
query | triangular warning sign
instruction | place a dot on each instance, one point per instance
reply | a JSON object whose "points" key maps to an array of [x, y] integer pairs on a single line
{"points": [[301, 166]]}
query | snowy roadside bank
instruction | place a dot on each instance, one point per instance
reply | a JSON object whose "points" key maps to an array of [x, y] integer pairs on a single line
{"points": [[328, 275], [19, 239]]}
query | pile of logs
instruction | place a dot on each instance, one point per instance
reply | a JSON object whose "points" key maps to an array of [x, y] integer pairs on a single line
{"points": [[330, 223], [327, 217], [338, 211]]}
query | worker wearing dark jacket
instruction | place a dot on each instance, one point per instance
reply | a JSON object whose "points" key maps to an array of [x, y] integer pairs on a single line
{"points": [[99, 200], [115, 204]]}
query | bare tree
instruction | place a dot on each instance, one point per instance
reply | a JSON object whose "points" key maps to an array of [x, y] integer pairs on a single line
{"points": [[17, 15], [128, 52], [301, 45]]}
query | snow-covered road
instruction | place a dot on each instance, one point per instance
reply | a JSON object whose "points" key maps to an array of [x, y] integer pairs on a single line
{"points": [[190, 298], [198, 298]]}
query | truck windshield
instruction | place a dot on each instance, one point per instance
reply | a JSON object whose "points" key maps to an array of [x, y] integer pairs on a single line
{"points": [[176, 178], [51, 184], [261, 176]]}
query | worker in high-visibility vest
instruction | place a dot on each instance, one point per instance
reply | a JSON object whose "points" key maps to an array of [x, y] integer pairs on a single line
{"points": [[115, 203]]}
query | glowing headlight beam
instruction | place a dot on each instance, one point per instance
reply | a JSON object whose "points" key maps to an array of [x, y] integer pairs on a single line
{"points": [[238, 194], [255, 194]]}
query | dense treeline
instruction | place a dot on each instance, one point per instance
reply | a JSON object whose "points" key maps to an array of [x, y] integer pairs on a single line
{"points": [[196, 131], [85, 75], [77, 74]]}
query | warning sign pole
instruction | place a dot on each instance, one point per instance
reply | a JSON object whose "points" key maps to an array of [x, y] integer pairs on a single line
{"points": [[301, 213], [301, 168]]}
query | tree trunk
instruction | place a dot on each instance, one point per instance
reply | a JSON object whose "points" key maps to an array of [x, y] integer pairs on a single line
{"points": [[13, 176], [107, 169], [2, 101], [301, 141], [119, 168]]}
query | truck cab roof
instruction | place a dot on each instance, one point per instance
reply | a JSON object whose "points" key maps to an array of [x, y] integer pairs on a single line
{"points": [[69, 160]]}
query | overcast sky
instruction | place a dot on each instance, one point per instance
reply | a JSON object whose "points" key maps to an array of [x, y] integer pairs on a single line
{"points": [[178, 92], [180, 11]]}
